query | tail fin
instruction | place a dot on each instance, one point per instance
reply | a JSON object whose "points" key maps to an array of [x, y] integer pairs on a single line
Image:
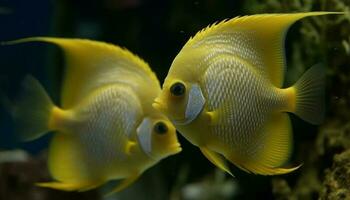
{"points": [[32, 110], [310, 95]]}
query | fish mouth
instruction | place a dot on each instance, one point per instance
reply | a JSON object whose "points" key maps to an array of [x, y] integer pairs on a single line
{"points": [[176, 148], [158, 105]]}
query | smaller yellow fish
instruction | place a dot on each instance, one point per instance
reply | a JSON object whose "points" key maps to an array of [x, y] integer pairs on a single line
{"points": [[106, 125], [224, 93]]}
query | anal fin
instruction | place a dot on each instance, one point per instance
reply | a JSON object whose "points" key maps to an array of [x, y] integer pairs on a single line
{"points": [[265, 170], [213, 117], [274, 144], [83, 186], [216, 159]]}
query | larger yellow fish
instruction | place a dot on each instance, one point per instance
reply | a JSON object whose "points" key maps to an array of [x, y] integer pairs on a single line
{"points": [[224, 93], [106, 126]]}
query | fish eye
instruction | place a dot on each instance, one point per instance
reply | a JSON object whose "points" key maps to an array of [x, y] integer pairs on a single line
{"points": [[178, 89], [160, 128]]}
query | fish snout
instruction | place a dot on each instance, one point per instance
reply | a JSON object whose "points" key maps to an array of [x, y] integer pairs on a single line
{"points": [[158, 105], [176, 148]]}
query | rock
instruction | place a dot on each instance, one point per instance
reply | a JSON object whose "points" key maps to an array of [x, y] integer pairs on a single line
{"points": [[18, 178]]}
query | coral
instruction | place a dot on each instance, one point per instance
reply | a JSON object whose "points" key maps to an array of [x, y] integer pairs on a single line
{"points": [[337, 181]]}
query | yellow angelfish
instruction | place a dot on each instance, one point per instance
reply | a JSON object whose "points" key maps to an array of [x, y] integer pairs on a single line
{"points": [[106, 125], [224, 93]]}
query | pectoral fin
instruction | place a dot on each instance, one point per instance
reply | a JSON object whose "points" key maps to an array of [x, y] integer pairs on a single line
{"points": [[216, 159], [213, 117], [130, 145], [124, 184]]}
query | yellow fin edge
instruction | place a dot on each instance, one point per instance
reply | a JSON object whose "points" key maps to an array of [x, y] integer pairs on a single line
{"points": [[215, 158], [81, 187]]}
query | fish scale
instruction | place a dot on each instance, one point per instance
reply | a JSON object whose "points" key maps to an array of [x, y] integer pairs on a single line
{"points": [[244, 48], [111, 115], [236, 80]]}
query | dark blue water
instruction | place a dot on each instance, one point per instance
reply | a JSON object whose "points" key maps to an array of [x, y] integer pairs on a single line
{"points": [[23, 19]]}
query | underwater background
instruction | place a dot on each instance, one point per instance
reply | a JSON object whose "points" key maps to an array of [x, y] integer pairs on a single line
{"points": [[156, 31]]}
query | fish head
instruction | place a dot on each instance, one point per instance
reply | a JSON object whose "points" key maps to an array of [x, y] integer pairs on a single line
{"points": [[173, 99], [181, 98], [157, 137]]}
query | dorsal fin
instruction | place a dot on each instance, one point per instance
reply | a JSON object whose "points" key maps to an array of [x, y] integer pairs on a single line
{"points": [[258, 39], [91, 64]]}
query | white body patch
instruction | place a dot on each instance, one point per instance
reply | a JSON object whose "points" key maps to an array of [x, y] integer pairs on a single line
{"points": [[144, 134], [195, 105]]}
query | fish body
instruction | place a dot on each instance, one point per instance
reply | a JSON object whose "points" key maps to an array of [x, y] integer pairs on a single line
{"points": [[224, 93], [106, 127]]}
